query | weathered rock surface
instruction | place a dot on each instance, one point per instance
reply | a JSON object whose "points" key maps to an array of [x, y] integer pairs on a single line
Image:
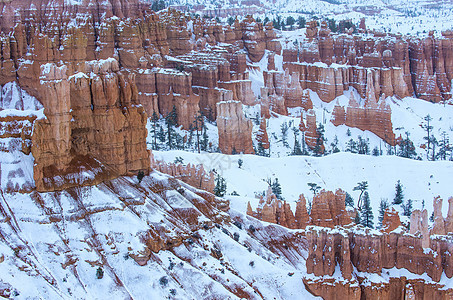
{"points": [[194, 175], [400, 65], [235, 131], [391, 220], [370, 251], [375, 116], [328, 209]]}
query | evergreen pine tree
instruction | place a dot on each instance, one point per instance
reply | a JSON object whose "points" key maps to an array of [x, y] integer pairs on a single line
{"points": [[348, 132], [444, 147], [351, 146], [170, 121], [284, 129], [375, 151], [220, 186], [348, 200], [399, 196], [362, 187], [198, 126], [383, 205], [277, 189], [260, 150], [154, 120], [406, 148], [319, 140], [313, 187], [407, 208], [301, 22], [334, 145], [363, 146], [296, 149], [140, 176], [434, 143], [161, 134], [205, 139], [428, 128], [366, 218]]}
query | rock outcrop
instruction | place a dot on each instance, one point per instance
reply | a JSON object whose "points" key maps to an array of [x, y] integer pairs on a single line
{"points": [[391, 220], [93, 65], [279, 85], [235, 130], [329, 64], [89, 118], [261, 136], [194, 175], [374, 116], [310, 130], [369, 251], [328, 209]]}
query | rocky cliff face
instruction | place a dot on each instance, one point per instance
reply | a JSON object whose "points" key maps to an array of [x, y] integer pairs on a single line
{"points": [[375, 116], [370, 251], [90, 118], [193, 175], [235, 131], [400, 65], [327, 210], [92, 65]]}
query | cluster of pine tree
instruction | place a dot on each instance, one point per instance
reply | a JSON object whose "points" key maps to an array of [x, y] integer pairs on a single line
{"points": [[166, 137]]}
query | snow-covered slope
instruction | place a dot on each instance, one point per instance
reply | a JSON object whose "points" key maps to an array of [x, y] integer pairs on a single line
{"points": [[57, 242]]}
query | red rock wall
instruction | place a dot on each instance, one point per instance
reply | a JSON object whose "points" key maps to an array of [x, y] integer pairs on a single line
{"points": [[328, 209], [402, 65], [235, 131], [194, 175]]}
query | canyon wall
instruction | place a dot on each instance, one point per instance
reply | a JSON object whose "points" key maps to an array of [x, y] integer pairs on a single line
{"points": [[235, 131], [100, 69], [402, 66]]}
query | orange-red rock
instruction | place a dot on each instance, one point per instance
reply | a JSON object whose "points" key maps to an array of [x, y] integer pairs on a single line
{"points": [[235, 131]]}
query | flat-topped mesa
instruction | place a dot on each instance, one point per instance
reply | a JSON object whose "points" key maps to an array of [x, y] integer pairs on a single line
{"points": [[375, 116], [331, 63], [235, 130]]}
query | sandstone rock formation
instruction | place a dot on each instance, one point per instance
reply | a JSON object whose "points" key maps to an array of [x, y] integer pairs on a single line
{"points": [[194, 175], [370, 251], [262, 136], [391, 220], [235, 131], [88, 119], [272, 210], [328, 209], [99, 61], [400, 65], [311, 131], [375, 116], [282, 84]]}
